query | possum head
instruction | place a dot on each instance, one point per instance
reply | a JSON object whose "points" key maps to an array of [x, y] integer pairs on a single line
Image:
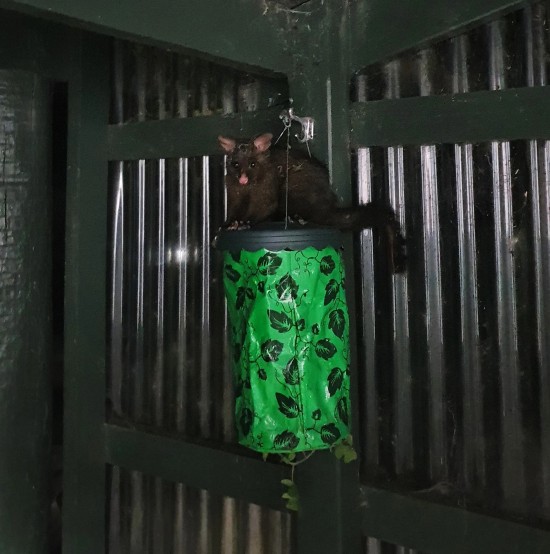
{"points": [[247, 162]]}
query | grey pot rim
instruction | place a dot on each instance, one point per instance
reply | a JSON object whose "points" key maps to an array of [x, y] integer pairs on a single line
{"points": [[275, 237]]}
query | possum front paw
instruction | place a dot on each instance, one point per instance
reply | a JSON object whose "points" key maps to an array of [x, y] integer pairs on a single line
{"points": [[229, 226], [237, 225]]}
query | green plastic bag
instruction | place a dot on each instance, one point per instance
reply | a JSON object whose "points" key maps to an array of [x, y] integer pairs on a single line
{"points": [[290, 337]]}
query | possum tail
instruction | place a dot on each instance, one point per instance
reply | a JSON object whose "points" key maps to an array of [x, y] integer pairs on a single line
{"points": [[380, 217]]}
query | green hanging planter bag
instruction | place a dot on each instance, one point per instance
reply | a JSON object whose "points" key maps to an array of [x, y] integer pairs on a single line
{"points": [[290, 337]]}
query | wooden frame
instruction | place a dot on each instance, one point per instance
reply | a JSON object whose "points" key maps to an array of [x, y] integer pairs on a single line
{"points": [[320, 88]]}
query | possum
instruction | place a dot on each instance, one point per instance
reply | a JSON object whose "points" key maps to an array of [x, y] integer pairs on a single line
{"points": [[267, 184]]}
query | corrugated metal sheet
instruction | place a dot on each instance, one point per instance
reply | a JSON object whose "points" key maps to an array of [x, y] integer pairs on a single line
{"points": [[455, 356], [162, 264], [169, 356], [191, 521], [162, 269]]}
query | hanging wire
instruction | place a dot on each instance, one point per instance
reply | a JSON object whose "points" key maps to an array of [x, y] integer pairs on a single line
{"points": [[286, 128], [287, 164], [307, 123]]}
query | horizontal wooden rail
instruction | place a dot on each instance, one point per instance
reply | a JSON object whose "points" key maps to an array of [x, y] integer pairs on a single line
{"points": [[214, 28], [384, 28], [41, 47], [436, 528], [202, 467], [471, 117], [187, 137]]}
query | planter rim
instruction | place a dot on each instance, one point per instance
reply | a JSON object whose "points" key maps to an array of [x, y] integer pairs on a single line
{"points": [[274, 237]]}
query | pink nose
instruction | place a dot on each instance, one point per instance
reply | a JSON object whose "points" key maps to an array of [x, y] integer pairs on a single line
{"points": [[243, 179]]}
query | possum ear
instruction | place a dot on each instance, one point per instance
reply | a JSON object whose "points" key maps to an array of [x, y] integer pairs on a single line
{"points": [[263, 142], [227, 144]]}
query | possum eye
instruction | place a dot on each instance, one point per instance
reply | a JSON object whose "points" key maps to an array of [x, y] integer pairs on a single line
{"points": [[252, 164], [236, 165]]}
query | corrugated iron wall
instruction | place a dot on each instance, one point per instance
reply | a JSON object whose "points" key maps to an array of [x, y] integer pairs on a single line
{"points": [[168, 367], [191, 520], [455, 353]]}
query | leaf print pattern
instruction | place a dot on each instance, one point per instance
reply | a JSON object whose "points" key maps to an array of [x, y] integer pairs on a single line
{"points": [[241, 297], [337, 322], [286, 288], [269, 263], [330, 433], [290, 340], [271, 350], [291, 372], [246, 420], [327, 265], [325, 349], [331, 291], [231, 273], [335, 380], [287, 406], [342, 410], [279, 321], [286, 441]]}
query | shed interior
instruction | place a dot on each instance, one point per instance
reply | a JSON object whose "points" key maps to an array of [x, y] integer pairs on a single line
{"points": [[438, 108]]}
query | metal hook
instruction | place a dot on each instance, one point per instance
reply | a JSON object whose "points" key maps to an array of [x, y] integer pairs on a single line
{"points": [[307, 123]]}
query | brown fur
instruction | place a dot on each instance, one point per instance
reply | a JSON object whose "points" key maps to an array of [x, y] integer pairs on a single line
{"points": [[256, 183]]}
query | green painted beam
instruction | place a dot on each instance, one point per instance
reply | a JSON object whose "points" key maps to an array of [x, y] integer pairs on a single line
{"points": [[384, 28], [184, 138], [33, 45], [472, 117], [236, 30], [201, 467], [435, 528]]}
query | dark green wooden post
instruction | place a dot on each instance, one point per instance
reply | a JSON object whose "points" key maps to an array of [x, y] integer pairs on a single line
{"points": [[84, 465], [25, 311], [328, 520]]}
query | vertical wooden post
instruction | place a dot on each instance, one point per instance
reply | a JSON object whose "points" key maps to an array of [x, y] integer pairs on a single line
{"points": [[328, 520], [25, 311], [84, 482]]}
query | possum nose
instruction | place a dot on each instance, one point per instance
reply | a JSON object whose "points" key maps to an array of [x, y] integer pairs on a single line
{"points": [[243, 179]]}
